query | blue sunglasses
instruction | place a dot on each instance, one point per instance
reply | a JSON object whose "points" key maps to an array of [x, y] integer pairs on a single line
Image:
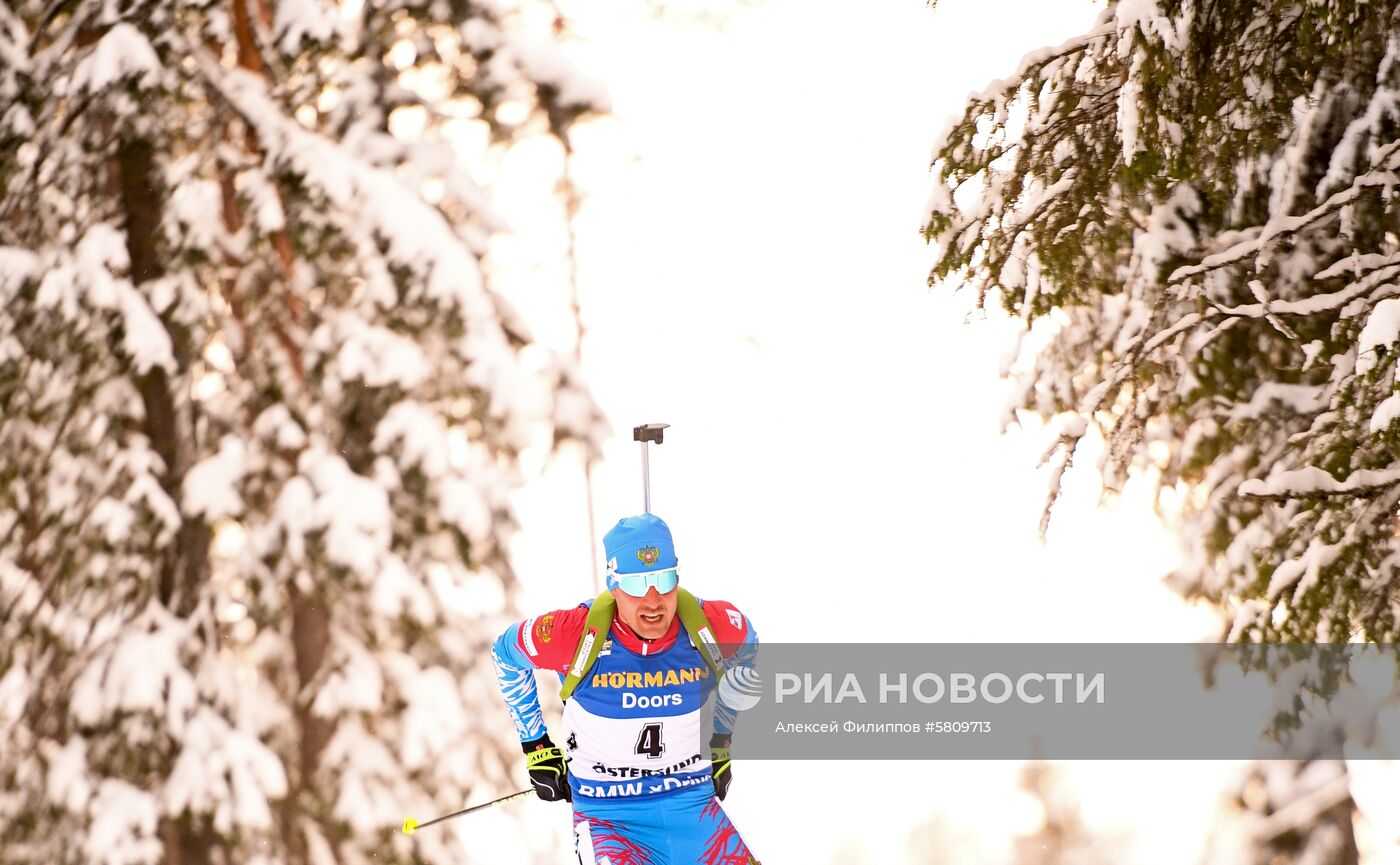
{"points": [[636, 585]]}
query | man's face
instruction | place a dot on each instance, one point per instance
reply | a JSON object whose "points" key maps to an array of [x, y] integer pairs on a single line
{"points": [[649, 616]]}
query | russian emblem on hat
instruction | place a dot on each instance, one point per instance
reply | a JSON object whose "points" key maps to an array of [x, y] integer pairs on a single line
{"points": [[639, 544]]}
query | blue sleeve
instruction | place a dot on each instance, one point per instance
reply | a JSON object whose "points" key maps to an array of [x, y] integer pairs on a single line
{"points": [[516, 677], [746, 656]]}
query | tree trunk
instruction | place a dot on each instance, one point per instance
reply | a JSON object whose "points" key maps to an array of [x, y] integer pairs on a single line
{"points": [[311, 623], [184, 566], [186, 842]]}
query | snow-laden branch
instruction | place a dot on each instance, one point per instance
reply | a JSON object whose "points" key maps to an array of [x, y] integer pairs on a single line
{"points": [[1305, 810], [417, 233], [999, 87], [1382, 175], [1313, 482], [1318, 303], [999, 90]]}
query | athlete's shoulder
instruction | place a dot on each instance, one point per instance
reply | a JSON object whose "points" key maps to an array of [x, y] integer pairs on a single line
{"points": [[549, 640], [730, 626]]}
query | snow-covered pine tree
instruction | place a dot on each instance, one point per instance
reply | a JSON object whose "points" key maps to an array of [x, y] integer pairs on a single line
{"points": [[1192, 206], [260, 414], [1287, 812]]}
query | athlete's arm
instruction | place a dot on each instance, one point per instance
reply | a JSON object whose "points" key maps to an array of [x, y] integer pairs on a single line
{"points": [[544, 642], [738, 641]]}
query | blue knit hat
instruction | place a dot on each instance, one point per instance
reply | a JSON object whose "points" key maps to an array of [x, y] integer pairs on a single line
{"points": [[638, 545]]}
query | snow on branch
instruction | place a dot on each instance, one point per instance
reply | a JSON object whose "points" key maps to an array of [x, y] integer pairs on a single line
{"points": [[1304, 810], [418, 237], [1382, 175], [1313, 482], [1318, 303], [1040, 58], [121, 53]]}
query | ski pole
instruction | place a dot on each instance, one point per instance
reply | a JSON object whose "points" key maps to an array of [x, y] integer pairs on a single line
{"points": [[411, 825], [650, 432]]}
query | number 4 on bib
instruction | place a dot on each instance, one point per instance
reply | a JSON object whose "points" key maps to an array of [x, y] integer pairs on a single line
{"points": [[649, 741]]}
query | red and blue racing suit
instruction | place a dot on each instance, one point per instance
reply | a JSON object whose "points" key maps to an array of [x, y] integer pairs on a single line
{"points": [[639, 765]]}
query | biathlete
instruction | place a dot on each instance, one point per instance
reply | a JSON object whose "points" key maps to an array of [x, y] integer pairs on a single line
{"points": [[638, 664]]}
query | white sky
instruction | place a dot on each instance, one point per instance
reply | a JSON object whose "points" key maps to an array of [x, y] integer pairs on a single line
{"points": [[752, 274]]}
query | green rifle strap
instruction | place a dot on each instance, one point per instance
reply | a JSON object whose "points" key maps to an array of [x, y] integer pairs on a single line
{"points": [[595, 631], [599, 621], [693, 617]]}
